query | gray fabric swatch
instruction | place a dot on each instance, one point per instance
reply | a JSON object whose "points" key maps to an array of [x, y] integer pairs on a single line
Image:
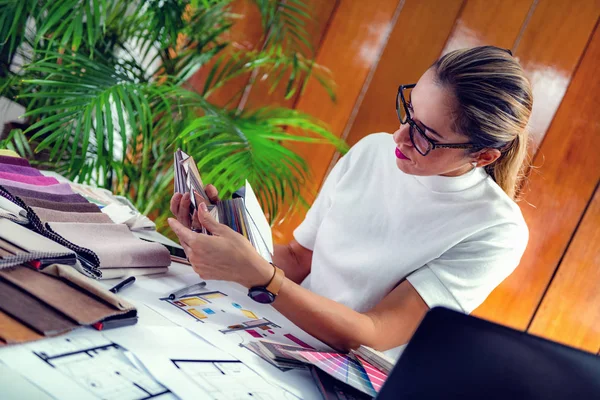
{"points": [[47, 215], [54, 205]]}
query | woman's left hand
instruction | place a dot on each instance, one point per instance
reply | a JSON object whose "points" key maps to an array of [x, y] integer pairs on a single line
{"points": [[226, 255]]}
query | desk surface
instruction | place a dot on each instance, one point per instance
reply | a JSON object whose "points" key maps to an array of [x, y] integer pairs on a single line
{"points": [[144, 294]]}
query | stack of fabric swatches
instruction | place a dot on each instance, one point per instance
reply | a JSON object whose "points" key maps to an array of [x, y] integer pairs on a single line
{"points": [[35, 304], [82, 235]]}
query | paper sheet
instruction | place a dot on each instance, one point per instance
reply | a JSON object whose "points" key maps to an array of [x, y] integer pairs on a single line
{"points": [[258, 216], [231, 380], [192, 368], [148, 291], [86, 363], [22, 360], [13, 386], [156, 346]]}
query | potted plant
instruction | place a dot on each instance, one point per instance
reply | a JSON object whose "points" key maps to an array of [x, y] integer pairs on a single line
{"points": [[104, 85]]}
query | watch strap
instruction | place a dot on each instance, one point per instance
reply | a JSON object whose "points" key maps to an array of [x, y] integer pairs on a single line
{"points": [[276, 281]]}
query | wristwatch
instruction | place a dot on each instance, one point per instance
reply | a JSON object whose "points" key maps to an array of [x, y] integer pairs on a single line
{"points": [[266, 294]]}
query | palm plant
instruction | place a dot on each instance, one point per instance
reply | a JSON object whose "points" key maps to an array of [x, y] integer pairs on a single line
{"points": [[104, 86]]}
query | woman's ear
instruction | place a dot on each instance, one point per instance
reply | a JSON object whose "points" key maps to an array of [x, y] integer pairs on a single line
{"points": [[486, 157]]}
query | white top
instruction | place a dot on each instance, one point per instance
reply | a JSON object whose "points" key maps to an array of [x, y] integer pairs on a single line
{"points": [[372, 225]]}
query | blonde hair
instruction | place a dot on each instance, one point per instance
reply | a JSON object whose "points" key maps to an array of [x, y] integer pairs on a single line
{"points": [[493, 106]]}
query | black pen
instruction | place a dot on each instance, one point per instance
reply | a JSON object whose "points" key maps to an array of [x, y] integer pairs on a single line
{"points": [[186, 291], [122, 285]]}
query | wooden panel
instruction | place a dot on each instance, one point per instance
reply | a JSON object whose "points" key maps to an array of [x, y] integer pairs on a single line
{"points": [[570, 311], [549, 50], [247, 34], [321, 12], [559, 190], [352, 45], [488, 22], [415, 43]]}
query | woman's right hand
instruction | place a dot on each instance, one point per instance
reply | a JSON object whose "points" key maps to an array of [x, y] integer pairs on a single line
{"points": [[180, 206]]}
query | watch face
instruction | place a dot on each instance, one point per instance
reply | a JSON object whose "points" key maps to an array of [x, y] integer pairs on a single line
{"points": [[261, 295]]}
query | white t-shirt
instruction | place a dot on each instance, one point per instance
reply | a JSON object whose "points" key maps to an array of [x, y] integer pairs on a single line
{"points": [[372, 225]]}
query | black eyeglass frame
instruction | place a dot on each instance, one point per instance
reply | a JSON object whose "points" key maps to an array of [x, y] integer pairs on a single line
{"points": [[432, 144]]}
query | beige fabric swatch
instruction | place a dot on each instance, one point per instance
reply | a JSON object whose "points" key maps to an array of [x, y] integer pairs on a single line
{"points": [[67, 273]]}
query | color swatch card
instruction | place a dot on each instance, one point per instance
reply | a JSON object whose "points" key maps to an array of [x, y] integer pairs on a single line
{"points": [[242, 214], [348, 368], [235, 318]]}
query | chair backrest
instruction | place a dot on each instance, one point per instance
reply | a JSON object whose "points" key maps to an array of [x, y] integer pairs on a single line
{"points": [[456, 356]]}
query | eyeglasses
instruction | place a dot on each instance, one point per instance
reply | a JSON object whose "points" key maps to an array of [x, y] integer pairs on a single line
{"points": [[420, 140]]}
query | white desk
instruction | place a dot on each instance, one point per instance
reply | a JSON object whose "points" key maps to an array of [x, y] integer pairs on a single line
{"points": [[144, 294]]}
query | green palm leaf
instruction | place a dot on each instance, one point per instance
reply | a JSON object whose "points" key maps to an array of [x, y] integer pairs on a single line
{"points": [[71, 22], [13, 25], [274, 64], [96, 104], [104, 82], [283, 23], [231, 149]]}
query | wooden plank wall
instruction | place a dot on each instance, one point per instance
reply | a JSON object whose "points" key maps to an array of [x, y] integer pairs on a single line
{"points": [[558, 192], [372, 48]]}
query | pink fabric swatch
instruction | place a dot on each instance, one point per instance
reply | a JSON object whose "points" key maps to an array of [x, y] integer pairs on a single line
{"points": [[32, 180], [61, 188], [19, 169]]}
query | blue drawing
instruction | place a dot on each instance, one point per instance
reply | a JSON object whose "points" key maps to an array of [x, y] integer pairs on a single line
{"points": [[208, 311], [236, 305]]}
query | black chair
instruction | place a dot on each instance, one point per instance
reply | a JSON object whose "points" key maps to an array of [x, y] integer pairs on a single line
{"points": [[455, 356]]}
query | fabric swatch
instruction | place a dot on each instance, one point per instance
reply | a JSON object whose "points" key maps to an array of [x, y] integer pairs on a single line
{"points": [[87, 259], [10, 210], [32, 180], [12, 331], [61, 188], [58, 206], [70, 301], [114, 244], [14, 161], [21, 170], [9, 153], [32, 312], [67, 273], [47, 215], [35, 246], [113, 273], [41, 195], [10, 248]]}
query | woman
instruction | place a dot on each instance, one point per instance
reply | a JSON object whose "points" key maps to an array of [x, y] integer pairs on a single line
{"points": [[404, 222]]}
